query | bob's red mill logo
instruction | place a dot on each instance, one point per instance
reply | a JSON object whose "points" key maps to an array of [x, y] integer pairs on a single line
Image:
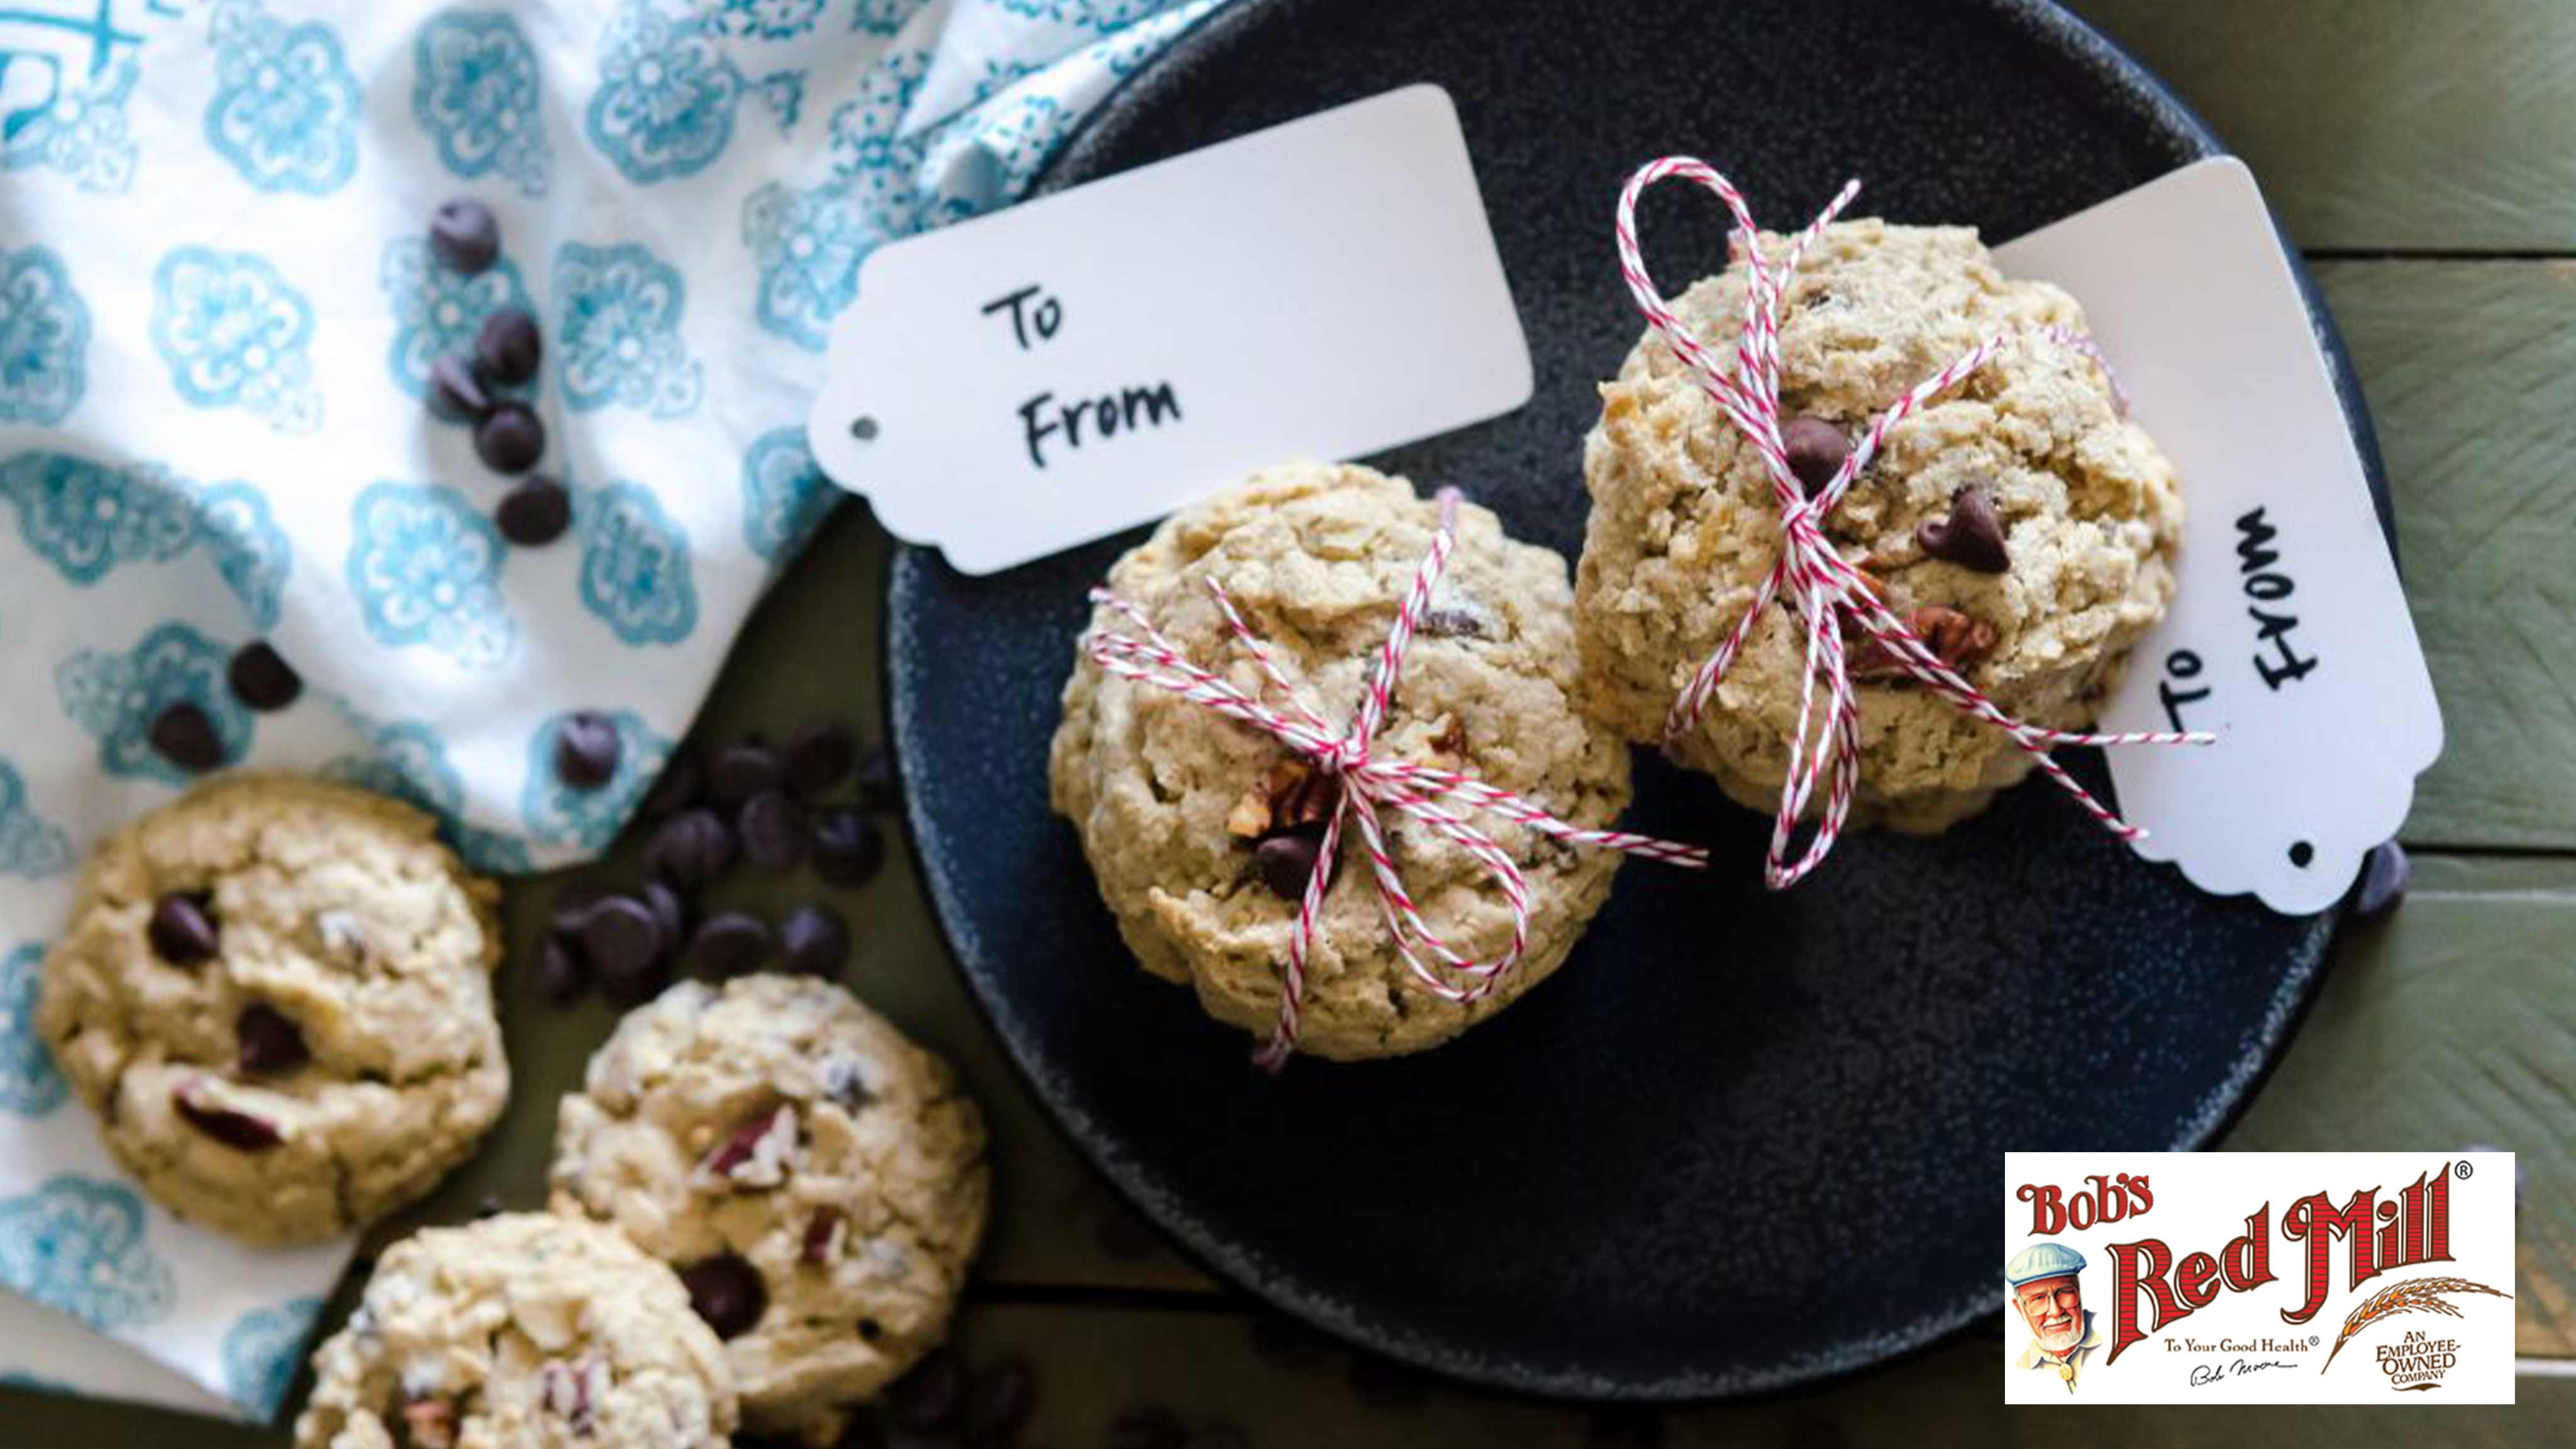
{"points": [[2347, 1275]]}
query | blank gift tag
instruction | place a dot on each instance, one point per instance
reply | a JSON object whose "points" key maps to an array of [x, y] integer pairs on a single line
{"points": [[2288, 637], [1086, 361]]}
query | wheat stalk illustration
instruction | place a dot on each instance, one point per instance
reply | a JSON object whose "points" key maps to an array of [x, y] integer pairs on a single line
{"points": [[2415, 1295]]}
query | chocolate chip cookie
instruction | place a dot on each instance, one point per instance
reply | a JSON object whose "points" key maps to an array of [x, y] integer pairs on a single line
{"points": [[1202, 831], [817, 1179], [2019, 522], [276, 993], [529, 1331]]}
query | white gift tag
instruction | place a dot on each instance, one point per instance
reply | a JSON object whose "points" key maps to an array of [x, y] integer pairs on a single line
{"points": [[1086, 361], [2289, 637]]}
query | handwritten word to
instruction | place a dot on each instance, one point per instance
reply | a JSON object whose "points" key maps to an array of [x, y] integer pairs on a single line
{"points": [[2276, 658], [1036, 316]]}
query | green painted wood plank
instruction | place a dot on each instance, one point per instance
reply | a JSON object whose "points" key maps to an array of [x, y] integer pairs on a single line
{"points": [[2448, 1024], [2386, 124], [2470, 368]]}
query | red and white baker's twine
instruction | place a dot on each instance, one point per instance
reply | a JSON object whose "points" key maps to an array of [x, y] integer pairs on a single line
{"points": [[1820, 583], [1369, 781]]}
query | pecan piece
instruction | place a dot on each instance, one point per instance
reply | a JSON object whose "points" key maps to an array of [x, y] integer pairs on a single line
{"points": [[1292, 794], [757, 1153], [1956, 639]]}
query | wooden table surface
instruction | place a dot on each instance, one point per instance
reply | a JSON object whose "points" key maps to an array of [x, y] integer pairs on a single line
{"points": [[2424, 158]]}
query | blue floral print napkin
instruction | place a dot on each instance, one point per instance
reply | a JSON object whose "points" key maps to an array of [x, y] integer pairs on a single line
{"points": [[218, 315]]}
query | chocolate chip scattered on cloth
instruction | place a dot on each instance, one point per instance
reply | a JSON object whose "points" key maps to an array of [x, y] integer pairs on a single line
{"points": [[2019, 523], [817, 1179], [1200, 831], [229, 306]]}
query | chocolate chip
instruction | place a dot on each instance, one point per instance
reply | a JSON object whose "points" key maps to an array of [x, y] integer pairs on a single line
{"points": [[731, 943], [877, 788], [455, 393], [561, 975], [727, 1292], [508, 347], [849, 848], [510, 438], [670, 912], [587, 748], [821, 1230], [819, 756], [535, 512], [930, 1396], [741, 770], [261, 678], [815, 939], [624, 944], [185, 735], [691, 849], [1816, 450], [269, 1040], [1971, 537], [773, 830], [238, 1130], [1004, 1395], [2385, 874], [871, 1330], [676, 788], [846, 1082], [571, 903], [1381, 1382], [182, 929], [489, 1206], [464, 235], [1286, 859], [1147, 1426]]}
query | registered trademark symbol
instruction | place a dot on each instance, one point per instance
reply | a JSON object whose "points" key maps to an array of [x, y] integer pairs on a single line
{"points": [[2461, 1169]]}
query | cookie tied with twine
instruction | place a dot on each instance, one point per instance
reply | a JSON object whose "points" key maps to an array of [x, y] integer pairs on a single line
{"points": [[1445, 802], [1825, 592]]}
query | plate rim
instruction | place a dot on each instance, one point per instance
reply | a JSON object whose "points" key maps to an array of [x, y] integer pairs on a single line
{"points": [[1231, 1263]]}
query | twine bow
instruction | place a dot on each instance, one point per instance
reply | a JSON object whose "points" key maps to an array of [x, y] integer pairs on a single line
{"points": [[1440, 799], [1822, 586]]}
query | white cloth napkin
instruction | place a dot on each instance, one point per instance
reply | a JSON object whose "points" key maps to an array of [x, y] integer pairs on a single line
{"points": [[217, 318]]}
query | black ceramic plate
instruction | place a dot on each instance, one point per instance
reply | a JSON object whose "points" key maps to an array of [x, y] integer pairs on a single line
{"points": [[1741, 1140]]}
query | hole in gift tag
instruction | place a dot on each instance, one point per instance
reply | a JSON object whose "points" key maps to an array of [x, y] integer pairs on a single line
{"points": [[864, 429], [2301, 853]]}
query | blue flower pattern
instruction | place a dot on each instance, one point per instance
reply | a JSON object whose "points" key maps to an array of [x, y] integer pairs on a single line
{"points": [[635, 566], [285, 109], [250, 550], [409, 762], [558, 814], [262, 1349], [78, 1244], [233, 334], [425, 567], [477, 97], [77, 130], [620, 334], [1100, 15], [885, 17], [807, 244], [784, 496], [85, 518], [666, 97], [29, 1084], [29, 845], [44, 338], [115, 697], [764, 19], [437, 310]]}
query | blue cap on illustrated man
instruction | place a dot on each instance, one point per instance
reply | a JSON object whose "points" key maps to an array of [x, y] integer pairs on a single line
{"points": [[2040, 1285]]}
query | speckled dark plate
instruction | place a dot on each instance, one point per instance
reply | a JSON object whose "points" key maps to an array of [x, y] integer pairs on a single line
{"points": [[1741, 1140]]}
